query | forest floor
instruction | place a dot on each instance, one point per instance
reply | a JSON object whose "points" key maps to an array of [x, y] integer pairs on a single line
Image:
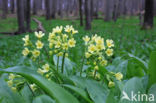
{"points": [[126, 33]]}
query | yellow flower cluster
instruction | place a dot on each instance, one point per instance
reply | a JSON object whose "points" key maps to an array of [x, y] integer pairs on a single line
{"points": [[35, 48], [10, 81], [61, 39], [96, 50]]}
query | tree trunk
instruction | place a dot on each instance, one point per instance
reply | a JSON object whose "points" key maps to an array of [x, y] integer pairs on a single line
{"points": [[34, 7], [20, 16], [81, 12], [12, 6], [4, 8], [87, 14], [91, 9], [115, 11], [53, 9], [47, 7], [108, 14], [149, 16], [28, 15]]}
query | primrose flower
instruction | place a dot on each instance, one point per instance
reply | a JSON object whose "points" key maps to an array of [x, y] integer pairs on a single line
{"points": [[71, 42], [14, 89], [36, 53], [25, 52], [74, 31], [33, 86], [39, 44], [10, 83], [46, 67], [60, 54], [11, 76], [119, 76], [65, 46], [51, 36], [58, 44], [87, 55], [103, 62], [39, 34], [40, 71], [26, 38], [109, 43], [92, 48], [86, 39], [109, 52], [68, 28], [111, 84], [99, 41], [96, 67], [58, 29]]}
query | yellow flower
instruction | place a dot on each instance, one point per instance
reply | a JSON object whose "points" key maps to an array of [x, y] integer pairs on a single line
{"points": [[51, 45], [96, 67], [13, 89], [100, 47], [109, 43], [71, 42], [50, 52], [111, 84], [92, 48], [65, 46], [86, 39], [25, 52], [65, 36], [68, 28], [60, 54], [10, 83], [118, 76], [26, 38], [11, 76], [39, 44], [58, 29], [51, 36], [109, 52], [46, 67], [87, 55], [74, 31], [33, 87], [99, 41], [39, 34], [94, 37], [104, 62], [40, 71], [36, 53], [57, 44]]}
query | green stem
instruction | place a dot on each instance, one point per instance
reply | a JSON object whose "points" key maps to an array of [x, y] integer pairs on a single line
{"points": [[82, 66], [63, 59], [94, 74], [57, 62], [30, 89]]}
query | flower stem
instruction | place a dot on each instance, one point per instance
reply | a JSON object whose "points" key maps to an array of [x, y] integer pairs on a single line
{"points": [[82, 66], [57, 62], [94, 74], [63, 59]]}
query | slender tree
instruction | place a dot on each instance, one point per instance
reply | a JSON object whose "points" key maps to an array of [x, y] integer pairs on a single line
{"points": [[108, 13], [35, 7], [88, 14], [53, 9], [47, 7], [81, 12], [20, 16], [4, 8], [149, 14], [92, 9], [12, 6], [28, 15]]}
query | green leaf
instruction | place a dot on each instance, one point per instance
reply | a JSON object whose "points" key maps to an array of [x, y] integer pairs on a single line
{"points": [[96, 91], [133, 85], [51, 88], [152, 91], [43, 99], [143, 64], [152, 69], [79, 91]]}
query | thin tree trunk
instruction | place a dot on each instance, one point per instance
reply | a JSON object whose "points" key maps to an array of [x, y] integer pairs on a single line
{"points": [[108, 14], [87, 14], [149, 16], [34, 7], [28, 15], [4, 8], [91, 9], [81, 12], [20, 16], [47, 6], [12, 2], [53, 11]]}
